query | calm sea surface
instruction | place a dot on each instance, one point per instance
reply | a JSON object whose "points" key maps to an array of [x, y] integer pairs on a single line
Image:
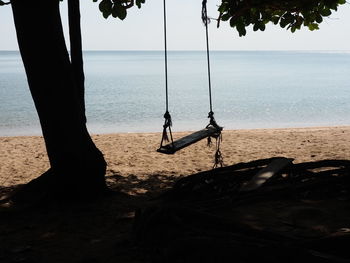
{"points": [[125, 90]]}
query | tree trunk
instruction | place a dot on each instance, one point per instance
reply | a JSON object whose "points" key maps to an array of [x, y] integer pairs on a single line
{"points": [[57, 96], [76, 53]]}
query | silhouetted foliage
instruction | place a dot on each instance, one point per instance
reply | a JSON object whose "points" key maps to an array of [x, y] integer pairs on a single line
{"points": [[288, 14], [240, 14], [117, 8]]}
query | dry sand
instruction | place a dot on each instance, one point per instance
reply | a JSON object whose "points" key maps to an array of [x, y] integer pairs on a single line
{"points": [[133, 154]]}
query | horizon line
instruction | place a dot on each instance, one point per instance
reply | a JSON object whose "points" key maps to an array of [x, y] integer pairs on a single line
{"points": [[195, 50]]}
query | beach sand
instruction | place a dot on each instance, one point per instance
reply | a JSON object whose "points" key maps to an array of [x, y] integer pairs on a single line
{"points": [[134, 154], [101, 231]]}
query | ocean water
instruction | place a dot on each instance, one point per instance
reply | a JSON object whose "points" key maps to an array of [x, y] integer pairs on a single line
{"points": [[125, 90]]}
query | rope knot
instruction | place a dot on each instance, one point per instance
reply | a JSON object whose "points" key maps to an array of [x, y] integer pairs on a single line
{"points": [[212, 121], [167, 125], [205, 18], [167, 122], [167, 115], [218, 159]]}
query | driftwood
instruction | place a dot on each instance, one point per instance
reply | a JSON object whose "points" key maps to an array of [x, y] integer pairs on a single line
{"points": [[265, 174], [206, 217]]}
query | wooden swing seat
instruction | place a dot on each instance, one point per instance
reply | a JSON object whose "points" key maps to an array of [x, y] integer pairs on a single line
{"points": [[183, 142]]}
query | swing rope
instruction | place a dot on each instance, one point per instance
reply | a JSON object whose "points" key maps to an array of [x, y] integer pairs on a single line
{"points": [[218, 160], [166, 60], [167, 117], [205, 20], [212, 123]]}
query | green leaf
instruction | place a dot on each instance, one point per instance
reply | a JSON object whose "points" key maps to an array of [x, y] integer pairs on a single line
{"points": [[120, 11], [122, 14], [326, 12], [225, 17], [105, 14], [241, 31], [289, 18], [313, 26], [283, 22], [241, 28], [319, 19], [114, 11], [262, 26], [275, 19], [222, 8], [232, 22], [106, 8], [139, 2]]}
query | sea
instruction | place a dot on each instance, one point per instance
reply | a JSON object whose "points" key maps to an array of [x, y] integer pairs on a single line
{"points": [[125, 90]]}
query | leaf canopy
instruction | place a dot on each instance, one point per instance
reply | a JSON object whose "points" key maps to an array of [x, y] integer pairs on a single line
{"points": [[240, 14], [117, 8], [289, 14]]}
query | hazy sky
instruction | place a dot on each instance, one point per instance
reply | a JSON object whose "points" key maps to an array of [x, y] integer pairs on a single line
{"points": [[142, 30]]}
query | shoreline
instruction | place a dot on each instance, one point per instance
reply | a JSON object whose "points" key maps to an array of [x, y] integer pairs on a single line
{"points": [[23, 158], [190, 130]]}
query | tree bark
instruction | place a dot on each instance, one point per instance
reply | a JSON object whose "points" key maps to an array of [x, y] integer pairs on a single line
{"points": [[76, 53], [56, 93]]}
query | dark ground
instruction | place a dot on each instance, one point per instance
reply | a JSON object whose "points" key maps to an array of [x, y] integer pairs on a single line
{"points": [[304, 213]]}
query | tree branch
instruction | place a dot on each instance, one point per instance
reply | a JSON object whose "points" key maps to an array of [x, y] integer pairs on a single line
{"points": [[4, 3]]}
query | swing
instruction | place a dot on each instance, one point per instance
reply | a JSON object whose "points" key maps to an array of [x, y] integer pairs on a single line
{"points": [[212, 130]]}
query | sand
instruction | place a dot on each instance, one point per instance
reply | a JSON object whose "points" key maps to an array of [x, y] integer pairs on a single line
{"points": [[134, 154], [101, 231]]}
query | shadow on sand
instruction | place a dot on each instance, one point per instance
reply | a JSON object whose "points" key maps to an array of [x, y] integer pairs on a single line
{"points": [[300, 213]]}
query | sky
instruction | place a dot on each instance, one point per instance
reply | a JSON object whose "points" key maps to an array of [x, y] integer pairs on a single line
{"points": [[143, 30]]}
